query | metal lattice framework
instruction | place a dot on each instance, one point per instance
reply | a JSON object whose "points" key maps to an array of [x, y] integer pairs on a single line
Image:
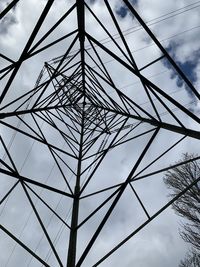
{"points": [[78, 116]]}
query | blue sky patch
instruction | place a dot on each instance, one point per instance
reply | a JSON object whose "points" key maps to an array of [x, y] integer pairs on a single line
{"points": [[123, 10], [92, 1]]}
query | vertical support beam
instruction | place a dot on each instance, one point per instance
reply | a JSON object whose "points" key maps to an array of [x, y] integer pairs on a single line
{"points": [[71, 258], [81, 34]]}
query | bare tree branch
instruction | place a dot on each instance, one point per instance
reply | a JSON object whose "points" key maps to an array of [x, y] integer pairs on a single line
{"points": [[188, 206]]}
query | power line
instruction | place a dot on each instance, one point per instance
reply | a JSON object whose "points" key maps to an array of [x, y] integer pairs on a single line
{"points": [[161, 41], [174, 11], [149, 23]]}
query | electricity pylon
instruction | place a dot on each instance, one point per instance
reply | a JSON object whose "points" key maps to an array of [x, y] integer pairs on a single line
{"points": [[78, 115]]}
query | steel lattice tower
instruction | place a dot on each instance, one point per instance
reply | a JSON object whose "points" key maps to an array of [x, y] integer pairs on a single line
{"points": [[80, 119]]}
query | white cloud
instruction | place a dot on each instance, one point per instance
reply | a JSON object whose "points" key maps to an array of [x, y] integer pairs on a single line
{"points": [[155, 245]]}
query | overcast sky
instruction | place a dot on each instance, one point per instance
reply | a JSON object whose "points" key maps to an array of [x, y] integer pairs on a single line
{"points": [[176, 24]]}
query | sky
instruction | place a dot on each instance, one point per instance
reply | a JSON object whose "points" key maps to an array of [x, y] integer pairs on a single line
{"points": [[176, 25]]}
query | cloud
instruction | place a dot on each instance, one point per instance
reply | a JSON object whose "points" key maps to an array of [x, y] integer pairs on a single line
{"points": [[8, 21], [188, 67], [159, 243]]}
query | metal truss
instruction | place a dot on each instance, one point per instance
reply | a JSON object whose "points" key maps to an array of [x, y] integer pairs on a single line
{"points": [[78, 99]]}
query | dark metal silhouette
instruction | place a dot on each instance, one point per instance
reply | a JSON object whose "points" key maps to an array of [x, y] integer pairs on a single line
{"points": [[71, 97]]}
